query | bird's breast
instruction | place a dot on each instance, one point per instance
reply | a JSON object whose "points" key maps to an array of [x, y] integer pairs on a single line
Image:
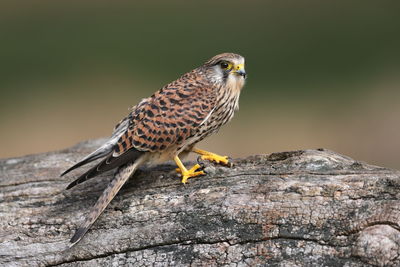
{"points": [[221, 114]]}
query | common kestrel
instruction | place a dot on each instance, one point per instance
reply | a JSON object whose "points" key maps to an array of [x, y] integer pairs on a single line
{"points": [[171, 121]]}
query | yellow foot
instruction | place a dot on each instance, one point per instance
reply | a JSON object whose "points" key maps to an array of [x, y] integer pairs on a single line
{"points": [[216, 158], [205, 155], [186, 174]]}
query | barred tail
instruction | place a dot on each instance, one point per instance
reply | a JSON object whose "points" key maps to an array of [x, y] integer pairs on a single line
{"points": [[121, 176]]}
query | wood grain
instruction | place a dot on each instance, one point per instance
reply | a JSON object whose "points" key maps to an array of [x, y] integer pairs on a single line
{"points": [[300, 208]]}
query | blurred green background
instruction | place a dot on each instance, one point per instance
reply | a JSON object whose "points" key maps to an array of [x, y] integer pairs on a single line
{"points": [[320, 74]]}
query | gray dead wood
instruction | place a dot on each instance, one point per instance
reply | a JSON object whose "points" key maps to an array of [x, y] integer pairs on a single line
{"points": [[301, 208]]}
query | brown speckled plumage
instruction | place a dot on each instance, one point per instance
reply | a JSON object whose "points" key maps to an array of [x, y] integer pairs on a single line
{"points": [[170, 117], [167, 123]]}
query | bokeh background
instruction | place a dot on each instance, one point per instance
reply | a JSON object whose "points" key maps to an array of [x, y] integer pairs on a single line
{"points": [[320, 73]]}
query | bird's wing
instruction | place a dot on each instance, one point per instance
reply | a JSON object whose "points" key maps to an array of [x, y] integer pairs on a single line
{"points": [[170, 116], [106, 148], [165, 119], [107, 164]]}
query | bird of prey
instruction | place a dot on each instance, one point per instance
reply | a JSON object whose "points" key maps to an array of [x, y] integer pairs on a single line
{"points": [[167, 125]]}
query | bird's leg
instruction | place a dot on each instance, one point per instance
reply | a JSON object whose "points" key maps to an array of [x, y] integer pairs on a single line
{"points": [[205, 155], [186, 174]]}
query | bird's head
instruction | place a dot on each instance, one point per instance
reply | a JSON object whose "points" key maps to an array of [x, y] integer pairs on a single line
{"points": [[227, 68]]}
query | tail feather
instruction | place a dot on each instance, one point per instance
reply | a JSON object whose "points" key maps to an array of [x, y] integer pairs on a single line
{"points": [[109, 193]]}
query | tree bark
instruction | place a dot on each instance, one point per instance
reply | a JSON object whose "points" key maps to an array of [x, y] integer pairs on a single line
{"points": [[300, 208]]}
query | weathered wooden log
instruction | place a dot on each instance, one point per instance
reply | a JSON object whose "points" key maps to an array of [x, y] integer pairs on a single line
{"points": [[300, 208]]}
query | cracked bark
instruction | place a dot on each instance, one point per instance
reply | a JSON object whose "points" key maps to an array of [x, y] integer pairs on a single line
{"points": [[301, 208]]}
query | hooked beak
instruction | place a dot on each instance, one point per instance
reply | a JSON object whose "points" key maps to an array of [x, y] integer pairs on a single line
{"points": [[239, 69]]}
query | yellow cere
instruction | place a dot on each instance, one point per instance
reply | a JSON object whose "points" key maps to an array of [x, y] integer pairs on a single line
{"points": [[239, 67]]}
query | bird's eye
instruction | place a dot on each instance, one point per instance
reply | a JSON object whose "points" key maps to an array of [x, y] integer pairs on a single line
{"points": [[224, 65]]}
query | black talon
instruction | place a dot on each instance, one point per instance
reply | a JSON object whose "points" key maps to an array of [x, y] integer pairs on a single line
{"points": [[230, 163], [202, 166], [200, 161]]}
